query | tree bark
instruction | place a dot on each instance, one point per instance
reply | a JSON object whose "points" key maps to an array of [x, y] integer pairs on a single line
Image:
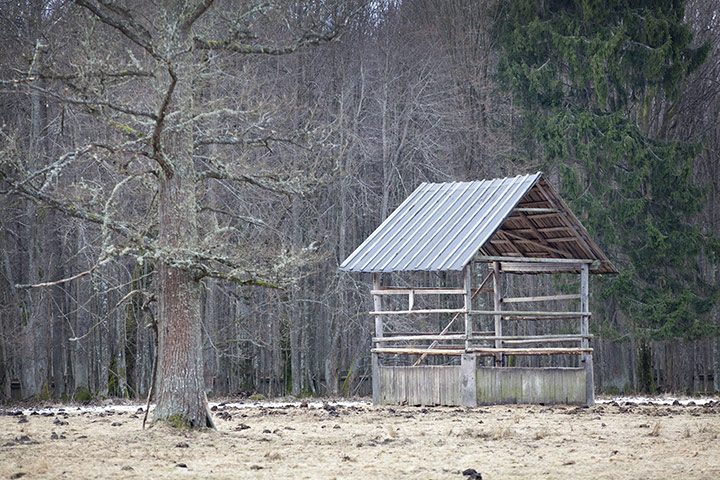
{"points": [[180, 389]]}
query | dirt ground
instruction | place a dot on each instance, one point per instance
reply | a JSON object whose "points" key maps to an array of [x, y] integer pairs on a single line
{"points": [[360, 441]]}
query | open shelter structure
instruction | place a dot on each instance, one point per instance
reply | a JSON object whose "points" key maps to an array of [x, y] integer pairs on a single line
{"points": [[513, 225]]}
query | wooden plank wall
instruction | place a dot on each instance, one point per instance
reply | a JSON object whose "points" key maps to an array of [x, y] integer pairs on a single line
{"points": [[424, 385], [442, 385], [498, 385]]}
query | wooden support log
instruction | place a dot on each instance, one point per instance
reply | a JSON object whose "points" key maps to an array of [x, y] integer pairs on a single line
{"points": [[532, 351], [531, 338], [536, 210], [418, 351], [411, 338], [482, 351], [546, 298], [467, 279], [425, 311], [521, 313], [497, 305], [547, 340], [489, 258], [425, 333], [585, 329], [417, 291], [488, 338], [543, 268]]}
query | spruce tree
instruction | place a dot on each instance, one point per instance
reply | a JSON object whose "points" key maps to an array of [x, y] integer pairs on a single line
{"points": [[588, 76]]}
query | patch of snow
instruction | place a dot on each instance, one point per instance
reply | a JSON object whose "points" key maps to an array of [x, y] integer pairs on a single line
{"points": [[133, 408], [316, 404], [657, 400]]}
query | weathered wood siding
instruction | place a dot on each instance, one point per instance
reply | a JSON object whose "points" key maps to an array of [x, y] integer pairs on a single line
{"points": [[424, 385], [442, 385], [497, 385]]}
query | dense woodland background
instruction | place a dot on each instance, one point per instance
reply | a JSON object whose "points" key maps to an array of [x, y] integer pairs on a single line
{"points": [[618, 103]]}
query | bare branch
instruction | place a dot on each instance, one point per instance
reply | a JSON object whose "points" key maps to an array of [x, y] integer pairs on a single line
{"points": [[123, 28], [263, 141], [251, 220], [117, 305], [94, 103], [159, 157], [307, 39], [197, 12], [100, 261], [100, 74], [71, 209], [230, 46], [266, 182]]}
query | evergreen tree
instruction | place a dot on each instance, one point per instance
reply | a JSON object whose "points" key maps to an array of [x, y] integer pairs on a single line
{"points": [[588, 76]]}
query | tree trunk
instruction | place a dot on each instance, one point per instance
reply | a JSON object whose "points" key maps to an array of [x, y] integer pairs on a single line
{"points": [[295, 313], [180, 389]]}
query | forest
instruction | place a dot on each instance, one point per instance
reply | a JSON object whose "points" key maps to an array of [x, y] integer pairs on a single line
{"points": [[212, 163]]}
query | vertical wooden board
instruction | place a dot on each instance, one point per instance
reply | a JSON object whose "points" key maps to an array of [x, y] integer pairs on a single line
{"points": [[386, 385], [376, 384], [413, 393], [468, 382]]}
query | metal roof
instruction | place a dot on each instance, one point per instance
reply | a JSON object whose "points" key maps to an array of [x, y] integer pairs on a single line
{"points": [[442, 226]]}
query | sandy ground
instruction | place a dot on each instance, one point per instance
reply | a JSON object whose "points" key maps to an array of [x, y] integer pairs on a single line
{"points": [[358, 441]]}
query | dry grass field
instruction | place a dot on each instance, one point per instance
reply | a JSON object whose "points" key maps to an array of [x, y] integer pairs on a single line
{"points": [[359, 441]]}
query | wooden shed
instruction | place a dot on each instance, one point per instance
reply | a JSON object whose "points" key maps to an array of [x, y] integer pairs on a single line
{"points": [[484, 229]]}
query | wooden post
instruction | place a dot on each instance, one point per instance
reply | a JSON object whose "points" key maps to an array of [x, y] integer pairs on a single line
{"points": [[468, 384], [468, 369], [467, 284], [585, 330], [377, 304], [375, 359], [497, 306]]}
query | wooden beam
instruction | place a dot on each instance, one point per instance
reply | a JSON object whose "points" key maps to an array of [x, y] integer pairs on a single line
{"points": [[539, 245], [514, 267], [509, 242], [541, 216], [535, 210], [588, 250], [568, 337], [536, 204], [417, 291], [504, 313], [520, 313], [418, 351], [562, 239], [426, 311], [548, 340], [548, 298], [480, 338], [532, 351], [541, 230], [532, 259], [413, 338], [535, 231], [483, 351]]}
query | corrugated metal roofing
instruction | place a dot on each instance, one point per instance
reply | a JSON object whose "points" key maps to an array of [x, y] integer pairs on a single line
{"points": [[440, 226]]}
